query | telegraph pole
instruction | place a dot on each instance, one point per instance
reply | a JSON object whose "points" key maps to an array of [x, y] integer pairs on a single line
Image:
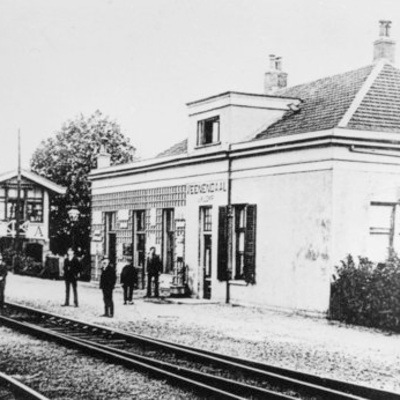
{"points": [[229, 264], [18, 208]]}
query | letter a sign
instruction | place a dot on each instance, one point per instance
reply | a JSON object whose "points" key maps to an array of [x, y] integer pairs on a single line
{"points": [[39, 232]]}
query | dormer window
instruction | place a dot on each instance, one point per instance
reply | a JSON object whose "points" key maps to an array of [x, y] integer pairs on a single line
{"points": [[208, 131]]}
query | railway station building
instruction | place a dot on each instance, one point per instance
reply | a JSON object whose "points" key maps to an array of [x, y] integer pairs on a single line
{"points": [[268, 192], [35, 196]]}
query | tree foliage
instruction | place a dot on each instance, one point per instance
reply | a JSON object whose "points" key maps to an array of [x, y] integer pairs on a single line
{"points": [[66, 158]]}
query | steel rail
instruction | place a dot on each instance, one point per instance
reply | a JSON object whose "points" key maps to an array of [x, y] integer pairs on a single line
{"points": [[205, 383], [18, 389], [335, 384], [272, 378], [316, 384]]}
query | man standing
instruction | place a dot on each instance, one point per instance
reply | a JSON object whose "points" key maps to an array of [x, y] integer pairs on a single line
{"points": [[71, 274], [128, 281], [154, 267], [3, 274], [107, 284]]}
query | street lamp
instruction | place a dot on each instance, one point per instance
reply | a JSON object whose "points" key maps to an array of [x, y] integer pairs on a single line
{"points": [[73, 214]]}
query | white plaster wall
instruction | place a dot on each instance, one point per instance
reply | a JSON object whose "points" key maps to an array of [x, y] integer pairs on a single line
{"points": [[312, 210], [293, 240], [356, 184], [247, 122], [236, 124]]}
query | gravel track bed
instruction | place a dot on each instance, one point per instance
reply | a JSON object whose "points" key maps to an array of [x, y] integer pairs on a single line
{"points": [[354, 354], [65, 374], [149, 351]]}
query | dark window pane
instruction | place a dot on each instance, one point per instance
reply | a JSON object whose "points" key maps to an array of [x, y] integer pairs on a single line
{"points": [[208, 131]]}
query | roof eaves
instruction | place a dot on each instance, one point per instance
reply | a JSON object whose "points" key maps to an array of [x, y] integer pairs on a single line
{"points": [[48, 184], [242, 94]]}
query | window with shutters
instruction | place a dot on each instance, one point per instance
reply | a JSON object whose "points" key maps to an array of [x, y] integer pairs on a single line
{"points": [[243, 243], [239, 241]]}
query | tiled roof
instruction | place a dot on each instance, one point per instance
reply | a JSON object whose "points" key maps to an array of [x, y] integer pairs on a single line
{"points": [[175, 150], [368, 98], [380, 108], [325, 101]]}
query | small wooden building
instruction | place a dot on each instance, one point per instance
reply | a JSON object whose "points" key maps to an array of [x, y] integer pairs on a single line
{"points": [[35, 195]]}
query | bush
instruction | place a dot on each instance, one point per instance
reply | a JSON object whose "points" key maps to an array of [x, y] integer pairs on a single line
{"points": [[367, 294], [27, 266]]}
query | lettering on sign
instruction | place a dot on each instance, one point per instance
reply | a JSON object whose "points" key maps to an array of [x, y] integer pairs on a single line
{"points": [[205, 188], [39, 232], [209, 198]]}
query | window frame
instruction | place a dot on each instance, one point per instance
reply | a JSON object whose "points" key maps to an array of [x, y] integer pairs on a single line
{"points": [[239, 234], [34, 201], [206, 238], [243, 266], [203, 132], [391, 231]]}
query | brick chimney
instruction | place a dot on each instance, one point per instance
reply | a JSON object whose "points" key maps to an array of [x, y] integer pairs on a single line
{"points": [[103, 158], [384, 47], [274, 78]]}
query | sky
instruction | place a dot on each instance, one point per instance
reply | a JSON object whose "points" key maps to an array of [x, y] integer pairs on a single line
{"points": [[140, 62]]}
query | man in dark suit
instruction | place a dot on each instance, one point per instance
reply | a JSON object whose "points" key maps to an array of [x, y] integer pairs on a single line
{"points": [[154, 267], [128, 281], [71, 274], [3, 275], [107, 284]]}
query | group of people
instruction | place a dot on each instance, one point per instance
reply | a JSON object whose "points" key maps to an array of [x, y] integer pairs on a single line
{"points": [[108, 279]]}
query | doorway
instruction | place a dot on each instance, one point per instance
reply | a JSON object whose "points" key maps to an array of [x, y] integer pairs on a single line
{"points": [[110, 244], [206, 249], [168, 240], [139, 244], [112, 248]]}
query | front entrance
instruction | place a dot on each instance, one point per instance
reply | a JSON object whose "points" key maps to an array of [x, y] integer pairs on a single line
{"points": [[168, 240], [139, 244], [110, 245], [206, 249], [112, 248]]}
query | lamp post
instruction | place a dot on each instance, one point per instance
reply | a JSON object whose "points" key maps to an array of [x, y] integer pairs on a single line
{"points": [[73, 214]]}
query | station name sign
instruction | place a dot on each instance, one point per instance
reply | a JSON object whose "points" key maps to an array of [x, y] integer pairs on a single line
{"points": [[206, 188]]}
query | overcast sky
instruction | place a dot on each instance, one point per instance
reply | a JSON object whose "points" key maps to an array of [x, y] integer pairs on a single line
{"points": [[139, 62]]}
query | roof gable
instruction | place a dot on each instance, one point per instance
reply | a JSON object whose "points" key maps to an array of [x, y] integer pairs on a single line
{"points": [[324, 103], [39, 180]]}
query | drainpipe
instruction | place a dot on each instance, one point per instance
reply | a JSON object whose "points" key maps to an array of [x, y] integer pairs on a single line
{"points": [[230, 221]]}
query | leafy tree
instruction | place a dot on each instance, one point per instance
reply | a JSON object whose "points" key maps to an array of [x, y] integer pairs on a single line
{"points": [[67, 158]]}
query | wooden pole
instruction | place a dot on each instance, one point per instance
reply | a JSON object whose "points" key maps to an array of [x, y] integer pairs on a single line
{"points": [[18, 208]]}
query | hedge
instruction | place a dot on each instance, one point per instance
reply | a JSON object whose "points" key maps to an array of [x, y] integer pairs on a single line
{"points": [[367, 294]]}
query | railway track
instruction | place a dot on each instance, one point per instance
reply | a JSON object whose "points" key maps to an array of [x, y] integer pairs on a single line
{"points": [[212, 374], [12, 389]]}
